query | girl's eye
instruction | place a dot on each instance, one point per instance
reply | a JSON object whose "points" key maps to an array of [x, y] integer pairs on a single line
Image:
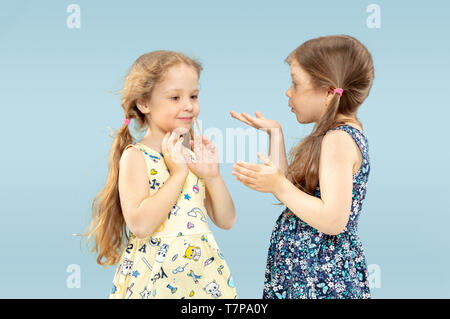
{"points": [[194, 96], [175, 98]]}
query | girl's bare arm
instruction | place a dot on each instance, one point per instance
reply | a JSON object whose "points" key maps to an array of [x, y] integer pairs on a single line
{"points": [[144, 213], [277, 149], [330, 213], [218, 203]]}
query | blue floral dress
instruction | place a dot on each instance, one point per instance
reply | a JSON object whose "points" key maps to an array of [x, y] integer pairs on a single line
{"points": [[305, 263]]}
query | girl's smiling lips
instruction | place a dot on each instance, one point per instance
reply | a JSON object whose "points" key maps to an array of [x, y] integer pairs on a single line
{"points": [[187, 119]]}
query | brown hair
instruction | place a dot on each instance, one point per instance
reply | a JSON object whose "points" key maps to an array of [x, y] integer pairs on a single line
{"points": [[108, 225], [339, 61]]}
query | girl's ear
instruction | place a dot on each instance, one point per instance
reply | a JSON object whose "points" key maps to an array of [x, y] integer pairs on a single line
{"points": [[143, 105], [329, 95]]}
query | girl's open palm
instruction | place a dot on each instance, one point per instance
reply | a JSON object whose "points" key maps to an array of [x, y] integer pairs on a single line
{"points": [[258, 122], [206, 163], [259, 177]]}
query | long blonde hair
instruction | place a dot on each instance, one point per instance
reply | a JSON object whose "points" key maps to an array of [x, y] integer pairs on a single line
{"points": [[339, 61], [108, 225]]}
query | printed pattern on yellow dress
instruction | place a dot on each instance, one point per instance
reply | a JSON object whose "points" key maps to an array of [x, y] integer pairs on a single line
{"points": [[181, 259]]}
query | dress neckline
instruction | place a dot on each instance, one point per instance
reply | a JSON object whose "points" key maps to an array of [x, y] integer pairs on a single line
{"points": [[154, 151], [361, 132], [149, 148]]}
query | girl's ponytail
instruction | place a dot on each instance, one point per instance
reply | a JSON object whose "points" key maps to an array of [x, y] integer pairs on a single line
{"points": [[108, 225]]}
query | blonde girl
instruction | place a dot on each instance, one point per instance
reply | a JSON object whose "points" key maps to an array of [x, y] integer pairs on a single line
{"points": [[163, 190]]}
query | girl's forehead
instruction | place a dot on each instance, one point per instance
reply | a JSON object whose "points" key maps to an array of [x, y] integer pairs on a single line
{"points": [[181, 72], [179, 78], [297, 72]]}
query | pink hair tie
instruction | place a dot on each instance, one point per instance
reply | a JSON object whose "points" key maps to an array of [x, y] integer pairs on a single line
{"points": [[338, 91], [126, 121]]}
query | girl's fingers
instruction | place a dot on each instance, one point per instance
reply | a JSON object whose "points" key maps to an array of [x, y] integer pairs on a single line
{"points": [[164, 140], [264, 159], [196, 147], [180, 150], [169, 140], [197, 125], [197, 140], [245, 172], [187, 158], [240, 117], [164, 143], [175, 137], [248, 117], [255, 122], [207, 140], [173, 140], [209, 144], [258, 115], [178, 144], [245, 180], [250, 166]]}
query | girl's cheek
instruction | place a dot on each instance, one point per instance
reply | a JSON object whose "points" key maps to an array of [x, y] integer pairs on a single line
{"points": [[196, 110], [296, 102]]}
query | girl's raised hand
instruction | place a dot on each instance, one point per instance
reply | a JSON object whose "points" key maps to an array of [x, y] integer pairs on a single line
{"points": [[173, 151], [259, 177], [258, 122], [206, 164]]}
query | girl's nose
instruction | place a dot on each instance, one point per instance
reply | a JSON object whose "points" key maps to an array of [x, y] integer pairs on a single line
{"points": [[188, 106], [288, 93]]}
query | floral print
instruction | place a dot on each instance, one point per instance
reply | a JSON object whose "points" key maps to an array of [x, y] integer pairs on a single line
{"points": [[305, 263]]}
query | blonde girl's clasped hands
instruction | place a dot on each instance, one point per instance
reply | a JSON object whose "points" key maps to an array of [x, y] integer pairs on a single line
{"points": [[174, 153], [206, 163], [179, 161]]}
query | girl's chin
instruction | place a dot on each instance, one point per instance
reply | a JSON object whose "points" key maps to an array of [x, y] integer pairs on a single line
{"points": [[301, 119], [181, 129]]}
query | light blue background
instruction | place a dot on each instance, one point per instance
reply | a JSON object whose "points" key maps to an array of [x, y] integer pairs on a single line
{"points": [[57, 105]]}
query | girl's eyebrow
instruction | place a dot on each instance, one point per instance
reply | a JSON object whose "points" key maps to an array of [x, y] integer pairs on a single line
{"points": [[180, 90]]}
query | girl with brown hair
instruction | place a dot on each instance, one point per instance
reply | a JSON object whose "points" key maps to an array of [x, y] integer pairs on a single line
{"points": [[163, 189], [315, 251]]}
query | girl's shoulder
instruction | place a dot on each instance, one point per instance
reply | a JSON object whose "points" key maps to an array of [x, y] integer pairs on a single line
{"points": [[347, 136], [351, 129], [357, 134], [137, 153], [338, 139]]}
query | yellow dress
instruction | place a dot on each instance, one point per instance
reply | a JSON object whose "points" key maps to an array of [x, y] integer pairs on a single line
{"points": [[181, 259]]}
